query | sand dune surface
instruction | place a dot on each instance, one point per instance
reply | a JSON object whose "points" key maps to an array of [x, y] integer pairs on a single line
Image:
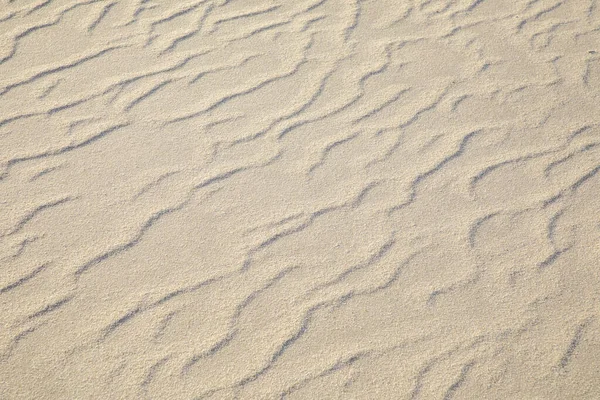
{"points": [[307, 199]]}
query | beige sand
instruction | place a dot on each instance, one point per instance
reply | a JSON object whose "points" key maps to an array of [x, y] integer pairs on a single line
{"points": [[302, 199]]}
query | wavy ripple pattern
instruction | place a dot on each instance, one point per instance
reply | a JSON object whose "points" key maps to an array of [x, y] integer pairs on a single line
{"points": [[311, 199]]}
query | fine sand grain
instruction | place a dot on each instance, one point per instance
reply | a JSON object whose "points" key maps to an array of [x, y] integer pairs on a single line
{"points": [[300, 199]]}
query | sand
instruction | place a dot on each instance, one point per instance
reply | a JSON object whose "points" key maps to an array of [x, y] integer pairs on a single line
{"points": [[302, 199]]}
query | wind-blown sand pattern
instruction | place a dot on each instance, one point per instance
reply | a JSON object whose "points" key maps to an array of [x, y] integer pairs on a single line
{"points": [[307, 199]]}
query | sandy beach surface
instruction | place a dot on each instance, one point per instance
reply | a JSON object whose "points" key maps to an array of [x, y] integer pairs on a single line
{"points": [[300, 199]]}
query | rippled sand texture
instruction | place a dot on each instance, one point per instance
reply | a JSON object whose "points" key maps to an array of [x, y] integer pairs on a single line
{"points": [[316, 199]]}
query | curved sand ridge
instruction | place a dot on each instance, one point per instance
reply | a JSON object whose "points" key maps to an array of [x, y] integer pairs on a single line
{"points": [[311, 199]]}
